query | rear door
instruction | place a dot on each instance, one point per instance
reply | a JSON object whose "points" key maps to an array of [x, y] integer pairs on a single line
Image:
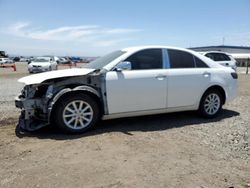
{"points": [[188, 77]]}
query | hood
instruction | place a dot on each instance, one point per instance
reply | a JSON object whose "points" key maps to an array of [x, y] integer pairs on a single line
{"points": [[42, 64], [41, 77]]}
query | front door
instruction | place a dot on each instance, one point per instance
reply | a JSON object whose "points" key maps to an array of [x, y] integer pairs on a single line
{"points": [[137, 90], [144, 87]]}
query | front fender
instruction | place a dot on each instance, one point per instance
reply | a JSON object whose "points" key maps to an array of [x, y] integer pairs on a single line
{"points": [[87, 88], [68, 90]]}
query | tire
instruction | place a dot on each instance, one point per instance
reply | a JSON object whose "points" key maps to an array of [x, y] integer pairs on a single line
{"points": [[76, 113], [211, 104]]}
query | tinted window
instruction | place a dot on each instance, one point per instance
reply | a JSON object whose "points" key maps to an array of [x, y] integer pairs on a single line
{"points": [[180, 59], [211, 56], [199, 63], [146, 59], [218, 56]]}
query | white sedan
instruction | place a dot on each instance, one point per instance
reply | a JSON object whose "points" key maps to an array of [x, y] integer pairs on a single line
{"points": [[129, 82], [42, 64], [5, 60]]}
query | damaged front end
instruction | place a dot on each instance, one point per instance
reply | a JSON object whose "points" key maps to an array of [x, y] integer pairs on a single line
{"points": [[41, 93], [33, 101]]}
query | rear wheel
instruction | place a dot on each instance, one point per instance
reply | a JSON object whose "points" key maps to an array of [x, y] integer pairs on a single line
{"points": [[77, 113], [211, 104]]}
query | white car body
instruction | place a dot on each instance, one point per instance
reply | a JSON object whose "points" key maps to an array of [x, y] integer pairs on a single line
{"points": [[167, 85], [24, 59], [126, 93], [5, 60], [42, 64], [222, 58]]}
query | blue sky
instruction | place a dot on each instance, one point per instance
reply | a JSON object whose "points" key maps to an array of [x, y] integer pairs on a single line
{"points": [[95, 27]]}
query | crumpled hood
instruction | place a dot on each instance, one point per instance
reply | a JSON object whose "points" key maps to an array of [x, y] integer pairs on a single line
{"points": [[41, 77]]}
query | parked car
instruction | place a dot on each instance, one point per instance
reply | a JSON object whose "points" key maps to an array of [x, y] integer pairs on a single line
{"points": [[64, 60], [75, 59], [24, 59], [16, 59], [5, 60], [3, 54], [42, 64], [222, 58], [130, 82]]}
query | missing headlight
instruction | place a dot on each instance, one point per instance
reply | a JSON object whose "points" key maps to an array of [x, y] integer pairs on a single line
{"points": [[41, 90]]}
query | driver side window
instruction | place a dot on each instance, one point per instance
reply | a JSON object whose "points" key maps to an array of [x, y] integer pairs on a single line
{"points": [[146, 59]]}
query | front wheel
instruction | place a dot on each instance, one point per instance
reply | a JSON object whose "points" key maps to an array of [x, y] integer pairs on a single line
{"points": [[211, 104], [77, 113]]}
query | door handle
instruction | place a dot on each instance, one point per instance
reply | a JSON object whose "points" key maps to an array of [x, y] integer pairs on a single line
{"points": [[160, 77], [206, 74]]}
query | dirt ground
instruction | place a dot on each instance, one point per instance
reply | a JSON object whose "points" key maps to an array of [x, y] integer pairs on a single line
{"points": [[169, 150]]}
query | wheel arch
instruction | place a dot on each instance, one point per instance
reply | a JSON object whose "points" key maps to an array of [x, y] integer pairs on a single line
{"points": [[218, 88], [68, 91]]}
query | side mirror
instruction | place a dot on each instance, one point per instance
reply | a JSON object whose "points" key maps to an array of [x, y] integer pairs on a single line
{"points": [[124, 65]]}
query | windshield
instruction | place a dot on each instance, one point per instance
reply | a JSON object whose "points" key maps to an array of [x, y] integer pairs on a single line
{"points": [[100, 62], [41, 59]]}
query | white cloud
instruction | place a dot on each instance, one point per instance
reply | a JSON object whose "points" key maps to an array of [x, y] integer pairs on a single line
{"points": [[95, 34], [120, 31], [105, 43]]}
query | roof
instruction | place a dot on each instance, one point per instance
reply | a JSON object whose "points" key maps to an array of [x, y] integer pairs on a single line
{"points": [[129, 51], [137, 48], [218, 52], [222, 46]]}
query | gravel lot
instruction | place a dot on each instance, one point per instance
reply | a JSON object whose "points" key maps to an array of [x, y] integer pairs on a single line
{"points": [[170, 150]]}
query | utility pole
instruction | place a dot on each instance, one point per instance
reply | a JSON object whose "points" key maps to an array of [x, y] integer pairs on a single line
{"points": [[247, 65], [223, 41]]}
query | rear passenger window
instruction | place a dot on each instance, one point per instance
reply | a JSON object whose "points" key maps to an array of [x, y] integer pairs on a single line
{"points": [[211, 56], [146, 59], [180, 59], [199, 63], [225, 57], [218, 56]]}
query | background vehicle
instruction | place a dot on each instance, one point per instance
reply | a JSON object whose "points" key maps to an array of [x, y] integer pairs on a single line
{"points": [[64, 60], [3, 54], [16, 59], [129, 82], [5, 60], [222, 58], [24, 59], [42, 64]]}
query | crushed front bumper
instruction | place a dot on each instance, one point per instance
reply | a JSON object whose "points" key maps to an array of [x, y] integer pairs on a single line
{"points": [[28, 120]]}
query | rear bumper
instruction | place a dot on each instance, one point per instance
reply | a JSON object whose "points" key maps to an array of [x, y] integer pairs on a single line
{"points": [[232, 91]]}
